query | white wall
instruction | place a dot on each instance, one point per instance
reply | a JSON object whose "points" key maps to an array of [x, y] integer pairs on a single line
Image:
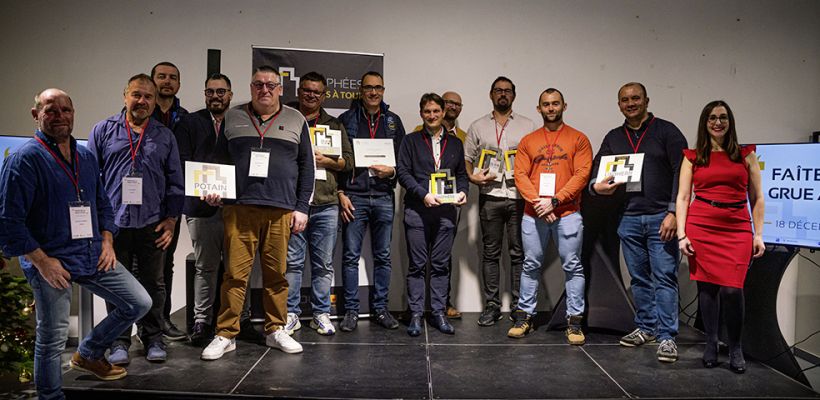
{"points": [[761, 56]]}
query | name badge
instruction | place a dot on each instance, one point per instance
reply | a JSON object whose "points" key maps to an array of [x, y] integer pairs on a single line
{"points": [[320, 174], [546, 186], [79, 213], [132, 189], [260, 159]]}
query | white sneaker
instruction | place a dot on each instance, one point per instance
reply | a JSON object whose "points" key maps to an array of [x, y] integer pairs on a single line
{"points": [[293, 323], [322, 324], [280, 339], [218, 347]]}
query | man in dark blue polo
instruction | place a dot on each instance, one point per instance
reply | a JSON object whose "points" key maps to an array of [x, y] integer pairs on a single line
{"points": [[169, 112]]}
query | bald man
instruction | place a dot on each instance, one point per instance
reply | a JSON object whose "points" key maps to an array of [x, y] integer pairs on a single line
{"points": [[55, 214]]}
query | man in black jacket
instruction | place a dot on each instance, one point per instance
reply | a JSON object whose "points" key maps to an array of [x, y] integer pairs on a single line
{"points": [[197, 136]]}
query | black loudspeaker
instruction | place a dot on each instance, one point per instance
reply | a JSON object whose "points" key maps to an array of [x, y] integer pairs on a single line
{"points": [[815, 137], [214, 61]]}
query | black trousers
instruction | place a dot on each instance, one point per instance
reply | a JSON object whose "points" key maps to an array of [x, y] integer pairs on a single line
{"points": [[137, 244], [499, 215]]}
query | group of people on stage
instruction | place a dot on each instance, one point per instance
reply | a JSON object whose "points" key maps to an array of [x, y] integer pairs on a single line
{"points": [[107, 217]]}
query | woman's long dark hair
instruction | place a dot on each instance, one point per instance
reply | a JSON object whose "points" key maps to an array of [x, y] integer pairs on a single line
{"points": [[704, 143]]}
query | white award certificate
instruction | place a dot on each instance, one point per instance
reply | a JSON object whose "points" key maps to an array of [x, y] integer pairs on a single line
{"points": [[622, 167], [205, 178], [370, 152]]}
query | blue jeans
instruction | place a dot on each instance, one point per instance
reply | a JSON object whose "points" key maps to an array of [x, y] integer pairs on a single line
{"points": [[568, 232], [376, 211], [116, 286], [653, 266], [319, 238]]}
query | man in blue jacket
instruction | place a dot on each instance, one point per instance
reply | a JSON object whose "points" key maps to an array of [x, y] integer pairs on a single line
{"points": [[366, 198], [429, 223], [55, 214]]}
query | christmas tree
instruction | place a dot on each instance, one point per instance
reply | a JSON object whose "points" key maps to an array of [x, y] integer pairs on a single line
{"points": [[16, 331]]}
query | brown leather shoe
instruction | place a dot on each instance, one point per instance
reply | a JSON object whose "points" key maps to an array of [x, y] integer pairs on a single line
{"points": [[101, 368], [453, 313]]}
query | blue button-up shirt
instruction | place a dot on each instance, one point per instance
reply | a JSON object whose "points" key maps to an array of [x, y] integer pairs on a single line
{"points": [[35, 193], [163, 190]]}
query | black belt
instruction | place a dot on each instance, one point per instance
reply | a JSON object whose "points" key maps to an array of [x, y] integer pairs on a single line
{"points": [[737, 204]]}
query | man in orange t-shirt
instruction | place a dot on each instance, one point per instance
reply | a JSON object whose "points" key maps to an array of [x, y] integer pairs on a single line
{"points": [[552, 167]]}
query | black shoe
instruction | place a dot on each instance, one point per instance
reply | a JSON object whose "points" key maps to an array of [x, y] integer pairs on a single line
{"points": [[201, 334], [710, 355], [491, 314], [737, 363], [414, 328], [385, 319], [248, 333], [440, 322], [171, 332], [350, 321]]}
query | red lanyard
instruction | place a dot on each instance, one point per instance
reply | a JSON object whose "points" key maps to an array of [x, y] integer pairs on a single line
{"points": [[270, 123], [497, 135], [628, 136], [371, 127], [430, 146], [551, 150], [75, 179], [131, 142]]}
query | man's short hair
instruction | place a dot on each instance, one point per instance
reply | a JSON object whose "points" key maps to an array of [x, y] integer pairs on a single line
{"points": [[428, 97], [164, 63], [502, 79], [218, 76], [372, 73], [314, 76], [265, 68], [638, 84], [38, 98], [551, 91], [141, 78]]}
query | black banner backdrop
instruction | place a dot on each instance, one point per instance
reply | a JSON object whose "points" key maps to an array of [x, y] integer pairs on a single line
{"points": [[343, 71]]}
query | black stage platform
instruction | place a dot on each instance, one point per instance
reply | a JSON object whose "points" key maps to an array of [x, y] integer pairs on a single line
{"points": [[476, 362]]}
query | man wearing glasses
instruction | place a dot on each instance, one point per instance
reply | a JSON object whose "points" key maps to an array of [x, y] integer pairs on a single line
{"points": [[139, 164], [169, 112], [366, 198], [199, 135], [323, 220], [500, 206], [270, 146]]}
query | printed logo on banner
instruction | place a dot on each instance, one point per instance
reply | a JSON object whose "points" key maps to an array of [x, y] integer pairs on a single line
{"points": [[342, 70], [289, 72]]}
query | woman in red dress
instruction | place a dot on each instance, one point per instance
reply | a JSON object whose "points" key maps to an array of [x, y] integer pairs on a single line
{"points": [[714, 229]]}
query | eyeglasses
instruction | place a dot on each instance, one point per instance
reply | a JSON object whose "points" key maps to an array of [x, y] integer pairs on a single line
{"points": [[714, 118], [312, 92], [258, 85], [502, 91], [452, 103], [218, 92], [370, 88]]}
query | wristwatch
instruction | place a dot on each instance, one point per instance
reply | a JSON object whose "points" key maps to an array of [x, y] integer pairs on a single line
{"points": [[554, 202]]}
